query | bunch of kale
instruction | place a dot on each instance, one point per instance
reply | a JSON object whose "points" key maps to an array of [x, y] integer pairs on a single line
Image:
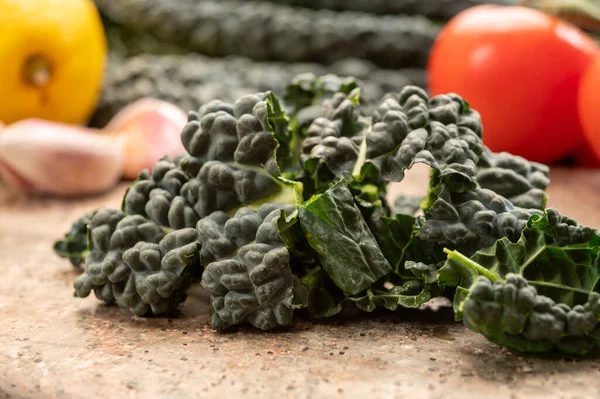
{"points": [[280, 206]]}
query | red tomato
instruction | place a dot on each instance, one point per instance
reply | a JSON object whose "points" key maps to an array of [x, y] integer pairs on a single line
{"points": [[589, 112], [520, 68]]}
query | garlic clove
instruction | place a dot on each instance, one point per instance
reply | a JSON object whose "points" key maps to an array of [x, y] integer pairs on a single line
{"points": [[152, 129], [44, 157]]}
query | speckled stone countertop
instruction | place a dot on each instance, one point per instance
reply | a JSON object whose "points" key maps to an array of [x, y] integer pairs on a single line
{"points": [[55, 345]]}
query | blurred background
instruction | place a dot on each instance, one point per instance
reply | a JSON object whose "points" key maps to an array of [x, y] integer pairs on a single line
{"points": [[192, 51], [73, 72]]}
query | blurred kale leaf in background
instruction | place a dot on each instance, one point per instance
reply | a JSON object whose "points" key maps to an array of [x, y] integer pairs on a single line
{"points": [[192, 51]]}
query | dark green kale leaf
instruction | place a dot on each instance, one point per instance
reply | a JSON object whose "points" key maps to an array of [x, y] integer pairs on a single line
{"points": [[398, 239], [237, 155], [331, 145], [111, 233], [407, 204], [131, 262], [158, 196], [521, 182], [161, 273], [473, 220], [555, 255], [247, 266], [247, 132], [336, 229], [325, 299], [306, 89], [305, 94], [243, 148], [511, 312], [411, 258], [407, 128], [442, 132], [74, 244]]}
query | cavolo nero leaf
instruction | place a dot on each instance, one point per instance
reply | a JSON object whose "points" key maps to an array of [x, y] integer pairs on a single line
{"points": [[159, 195], [132, 263], [330, 148], [415, 262], [325, 299], [398, 239], [306, 93], [336, 229], [407, 204], [247, 267], [236, 155], [442, 132], [407, 128], [554, 254], [472, 220], [73, 246], [233, 205], [512, 313], [522, 182]]}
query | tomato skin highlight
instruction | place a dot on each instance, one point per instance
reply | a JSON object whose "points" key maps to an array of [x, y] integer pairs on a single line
{"points": [[589, 113], [521, 69]]}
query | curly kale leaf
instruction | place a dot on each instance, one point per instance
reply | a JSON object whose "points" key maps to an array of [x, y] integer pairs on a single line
{"points": [[235, 154], [522, 182], [442, 132], [555, 255], [159, 196], [243, 148], [111, 233], [247, 266], [220, 186], [398, 239], [74, 244], [253, 132], [473, 220], [331, 145], [306, 92], [407, 204], [336, 229], [161, 273], [131, 262], [512, 313], [324, 299]]}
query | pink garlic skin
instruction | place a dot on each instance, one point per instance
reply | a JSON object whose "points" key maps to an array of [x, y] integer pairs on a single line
{"points": [[43, 157], [152, 129]]}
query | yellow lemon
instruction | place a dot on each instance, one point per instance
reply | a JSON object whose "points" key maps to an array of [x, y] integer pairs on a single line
{"points": [[52, 58]]}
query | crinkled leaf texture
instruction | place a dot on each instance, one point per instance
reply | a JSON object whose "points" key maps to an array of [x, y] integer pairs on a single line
{"points": [[131, 262], [336, 229], [522, 182], [247, 266], [324, 299], [555, 254], [330, 148], [473, 220], [512, 313], [442, 132], [236, 206], [407, 128], [161, 196], [73, 246], [306, 89], [306, 93], [237, 153]]}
